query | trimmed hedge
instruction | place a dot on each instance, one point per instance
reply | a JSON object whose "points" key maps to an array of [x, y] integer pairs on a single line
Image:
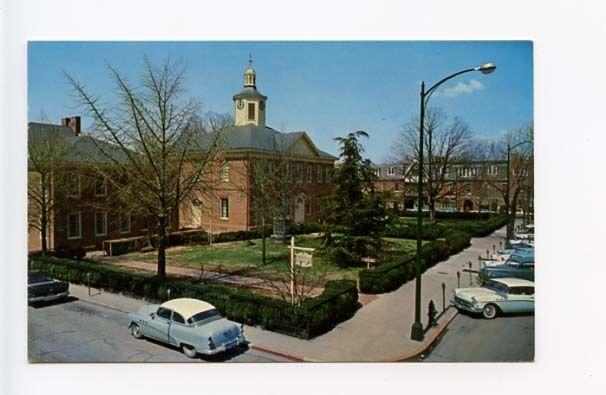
{"points": [[389, 276], [465, 215], [315, 316]]}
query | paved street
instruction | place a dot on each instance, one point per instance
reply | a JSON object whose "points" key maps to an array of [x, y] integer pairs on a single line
{"points": [[77, 331], [474, 339]]}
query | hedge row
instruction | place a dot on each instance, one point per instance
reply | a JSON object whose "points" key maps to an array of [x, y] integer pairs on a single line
{"points": [[315, 316], [465, 215], [477, 228], [391, 275]]}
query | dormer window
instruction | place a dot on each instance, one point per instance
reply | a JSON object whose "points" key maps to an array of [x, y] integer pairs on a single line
{"points": [[391, 171], [251, 111]]}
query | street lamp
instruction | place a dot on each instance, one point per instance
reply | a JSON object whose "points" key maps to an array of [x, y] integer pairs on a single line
{"points": [[486, 68], [507, 187]]}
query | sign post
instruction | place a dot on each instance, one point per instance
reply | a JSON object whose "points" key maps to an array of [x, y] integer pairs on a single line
{"points": [[303, 259]]}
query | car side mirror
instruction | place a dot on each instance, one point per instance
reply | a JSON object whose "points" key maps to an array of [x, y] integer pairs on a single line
{"points": [[152, 315]]}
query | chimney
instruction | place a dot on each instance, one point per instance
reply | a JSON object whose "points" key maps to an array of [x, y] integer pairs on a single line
{"points": [[73, 123]]}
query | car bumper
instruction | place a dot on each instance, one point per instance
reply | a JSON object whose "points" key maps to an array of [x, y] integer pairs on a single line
{"points": [[47, 298], [463, 305], [224, 347]]}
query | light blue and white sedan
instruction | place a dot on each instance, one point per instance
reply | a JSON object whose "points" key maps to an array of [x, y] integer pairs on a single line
{"points": [[190, 324], [502, 295]]}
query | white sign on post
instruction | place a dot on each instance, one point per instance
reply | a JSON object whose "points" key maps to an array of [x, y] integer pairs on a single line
{"points": [[303, 259]]}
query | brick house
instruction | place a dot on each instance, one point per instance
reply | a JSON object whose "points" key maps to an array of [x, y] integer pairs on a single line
{"points": [[79, 205]]}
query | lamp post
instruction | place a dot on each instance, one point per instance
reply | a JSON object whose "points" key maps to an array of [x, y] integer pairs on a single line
{"points": [[417, 327], [507, 187]]}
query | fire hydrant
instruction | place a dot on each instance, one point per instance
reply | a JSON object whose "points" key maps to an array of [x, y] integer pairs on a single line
{"points": [[431, 314]]}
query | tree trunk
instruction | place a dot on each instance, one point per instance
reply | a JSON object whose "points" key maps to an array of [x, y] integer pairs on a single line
{"points": [[162, 247], [43, 221], [263, 241], [432, 210]]}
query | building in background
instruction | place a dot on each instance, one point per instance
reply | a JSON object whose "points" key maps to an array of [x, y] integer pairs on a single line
{"points": [[468, 185]]}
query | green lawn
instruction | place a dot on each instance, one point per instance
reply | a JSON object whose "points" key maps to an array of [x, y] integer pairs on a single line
{"points": [[244, 258]]}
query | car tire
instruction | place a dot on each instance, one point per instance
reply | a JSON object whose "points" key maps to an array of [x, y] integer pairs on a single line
{"points": [[135, 331], [189, 351], [489, 311]]}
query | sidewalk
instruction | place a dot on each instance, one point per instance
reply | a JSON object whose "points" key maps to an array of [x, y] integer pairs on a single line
{"points": [[379, 331]]}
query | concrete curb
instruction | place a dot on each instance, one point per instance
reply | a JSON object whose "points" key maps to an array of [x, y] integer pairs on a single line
{"points": [[283, 354], [428, 342]]}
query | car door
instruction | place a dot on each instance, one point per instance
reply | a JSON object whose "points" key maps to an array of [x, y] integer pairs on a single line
{"points": [[177, 331], [521, 299], [159, 324]]}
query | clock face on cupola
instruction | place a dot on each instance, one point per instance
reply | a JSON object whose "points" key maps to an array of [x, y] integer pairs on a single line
{"points": [[249, 103]]}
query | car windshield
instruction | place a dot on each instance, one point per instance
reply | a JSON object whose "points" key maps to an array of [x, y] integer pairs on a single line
{"points": [[496, 286], [204, 317], [34, 278]]}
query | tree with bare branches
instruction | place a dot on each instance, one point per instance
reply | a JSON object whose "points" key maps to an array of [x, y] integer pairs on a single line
{"points": [[161, 147], [47, 185], [271, 190], [445, 143], [517, 150]]}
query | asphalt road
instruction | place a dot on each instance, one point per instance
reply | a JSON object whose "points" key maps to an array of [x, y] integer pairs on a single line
{"points": [[471, 338], [77, 331]]}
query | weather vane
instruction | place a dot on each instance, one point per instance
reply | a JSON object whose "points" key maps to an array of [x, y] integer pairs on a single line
{"points": [[250, 59]]}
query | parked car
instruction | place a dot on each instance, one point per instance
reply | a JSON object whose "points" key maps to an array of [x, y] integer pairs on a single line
{"points": [[43, 288], [518, 266], [512, 248], [503, 295], [193, 325], [76, 253]]}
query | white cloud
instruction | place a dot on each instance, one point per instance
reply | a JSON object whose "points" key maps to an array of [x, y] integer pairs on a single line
{"points": [[462, 88]]}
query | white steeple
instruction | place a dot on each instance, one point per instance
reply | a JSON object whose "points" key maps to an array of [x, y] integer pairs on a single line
{"points": [[249, 104]]}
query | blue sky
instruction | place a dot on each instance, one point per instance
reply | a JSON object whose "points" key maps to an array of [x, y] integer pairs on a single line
{"points": [[324, 88]]}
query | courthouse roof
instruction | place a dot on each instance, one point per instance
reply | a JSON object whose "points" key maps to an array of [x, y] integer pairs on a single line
{"points": [[264, 138]]}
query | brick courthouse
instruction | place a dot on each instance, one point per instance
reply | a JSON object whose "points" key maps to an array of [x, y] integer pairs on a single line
{"points": [[85, 217]]}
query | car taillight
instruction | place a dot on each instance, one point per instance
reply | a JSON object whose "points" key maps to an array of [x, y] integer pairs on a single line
{"points": [[211, 345]]}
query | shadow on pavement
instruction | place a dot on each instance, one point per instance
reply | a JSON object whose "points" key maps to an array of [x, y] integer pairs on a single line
{"points": [[222, 357], [478, 316], [38, 305]]}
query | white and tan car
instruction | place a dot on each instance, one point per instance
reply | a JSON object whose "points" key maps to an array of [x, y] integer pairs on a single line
{"points": [[193, 325], [502, 295]]}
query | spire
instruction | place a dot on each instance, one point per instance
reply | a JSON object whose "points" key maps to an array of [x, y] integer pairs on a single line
{"points": [[249, 75]]}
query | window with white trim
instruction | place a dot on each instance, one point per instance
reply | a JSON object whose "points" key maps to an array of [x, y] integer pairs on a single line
{"points": [[101, 223], [124, 223], [319, 174], [391, 171], [328, 174], [225, 173], [308, 203], [73, 185], [74, 226], [299, 173], [100, 186], [309, 173], [224, 208]]}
